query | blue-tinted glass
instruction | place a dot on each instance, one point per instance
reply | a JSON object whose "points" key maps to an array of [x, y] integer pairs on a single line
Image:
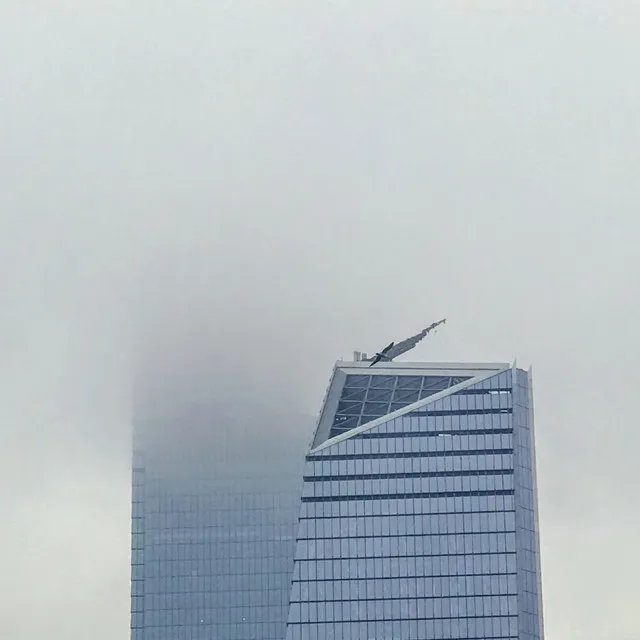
{"points": [[422, 527], [219, 524]]}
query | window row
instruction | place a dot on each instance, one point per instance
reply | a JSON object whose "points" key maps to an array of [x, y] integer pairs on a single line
{"points": [[407, 525], [223, 615], [217, 599], [172, 503], [410, 474], [207, 583], [474, 390], [403, 442], [218, 566], [196, 533], [418, 453], [382, 381], [360, 568], [374, 411], [208, 551], [405, 395], [411, 423], [404, 546], [440, 443], [230, 518], [433, 410], [178, 510], [379, 588], [405, 495], [227, 483], [375, 434], [452, 629], [408, 505], [438, 484], [359, 467], [403, 609]]}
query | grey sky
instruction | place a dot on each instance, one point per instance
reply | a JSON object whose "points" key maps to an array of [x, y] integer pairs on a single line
{"points": [[308, 178]]}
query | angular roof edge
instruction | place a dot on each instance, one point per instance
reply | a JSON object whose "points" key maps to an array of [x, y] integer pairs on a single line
{"points": [[432, 367], [487, 370]]}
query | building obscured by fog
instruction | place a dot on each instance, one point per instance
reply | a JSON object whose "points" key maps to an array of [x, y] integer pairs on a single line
{"points": [[217, 477], [216, 490]]}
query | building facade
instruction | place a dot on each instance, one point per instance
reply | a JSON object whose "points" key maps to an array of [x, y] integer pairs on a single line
{"points": [[216, 496], [412, 517], [418, 515]]}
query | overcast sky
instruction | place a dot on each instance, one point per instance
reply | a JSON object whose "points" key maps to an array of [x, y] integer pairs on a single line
{"points": [[304, 178]]}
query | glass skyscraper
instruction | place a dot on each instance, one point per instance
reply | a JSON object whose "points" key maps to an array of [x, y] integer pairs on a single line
{"points": [[412, 517], [418, 516], [216, 496]]}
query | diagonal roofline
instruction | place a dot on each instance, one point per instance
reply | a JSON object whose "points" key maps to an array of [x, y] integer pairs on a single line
{"points": [[500, 368]]}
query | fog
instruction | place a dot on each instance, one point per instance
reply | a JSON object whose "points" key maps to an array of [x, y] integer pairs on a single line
{"points": [[255, 189]]}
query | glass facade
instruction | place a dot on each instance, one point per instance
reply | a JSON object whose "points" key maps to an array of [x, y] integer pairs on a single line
{"points": [[213, 527], [423, 527], [367, 397]]}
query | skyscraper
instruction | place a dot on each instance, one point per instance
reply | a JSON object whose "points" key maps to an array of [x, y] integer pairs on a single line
{"points": [[216, 495], [414, 517], [418, 516]]}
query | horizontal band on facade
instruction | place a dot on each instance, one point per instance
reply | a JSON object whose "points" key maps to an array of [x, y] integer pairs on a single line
{"points": [[406, 535], [408, 496], [416, 577], [426, 413], [469, 391], [462, 554], [411, 474], [390, 599], [198, 592], [425, 638], [345, 422], [512, 574], [198, 627], [410, 515], [368, 435], [405, 619], [407, 454]]}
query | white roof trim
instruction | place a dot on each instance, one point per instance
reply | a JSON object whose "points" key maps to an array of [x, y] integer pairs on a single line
{"points": [[390, 368], [412, 407]]}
